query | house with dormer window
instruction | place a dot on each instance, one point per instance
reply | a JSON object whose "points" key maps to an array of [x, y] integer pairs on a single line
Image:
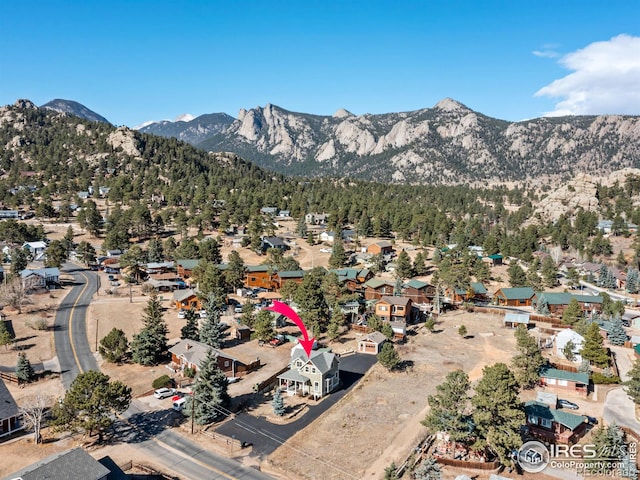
{"points": [[317, 375]]}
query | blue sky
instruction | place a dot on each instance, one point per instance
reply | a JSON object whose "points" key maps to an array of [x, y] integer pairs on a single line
{"points": [[133, 61]]}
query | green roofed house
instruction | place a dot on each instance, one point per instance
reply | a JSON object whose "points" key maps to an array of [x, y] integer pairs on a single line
{"points": [[562, 380], [558, 301], [514, 297], [418, 291], [186, 267], [279, 279], [552, 425], [375, 289]]}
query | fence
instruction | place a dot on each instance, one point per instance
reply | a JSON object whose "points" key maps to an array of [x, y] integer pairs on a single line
{"points": [[233, 443], [130, 465], [266, 384], [9, 377], [464, 464]]}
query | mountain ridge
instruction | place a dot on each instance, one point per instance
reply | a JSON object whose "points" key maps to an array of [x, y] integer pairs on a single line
{"points": [[74, 108]]}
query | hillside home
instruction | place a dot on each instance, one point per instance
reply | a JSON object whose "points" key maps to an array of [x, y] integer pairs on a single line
{"points": [[191, 354], [284, 214], [558, 301], [372, 343], [375, 289], [493, 260], [271, 211], [186, 267], [315, 218], [562, 380], [549, 424], [475, 291], [565, 336], [394, 309], [514, 297], [328, 237], [384, 247], [280, 279], [10, 416], [187, 299], [4, 214], [316, 375], [418, 291], [159, 267], [352, 278], [258, 276]]}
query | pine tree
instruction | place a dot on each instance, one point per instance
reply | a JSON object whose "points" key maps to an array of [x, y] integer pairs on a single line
{"points": [[449, 408], [403, 266], [391, 472], [611, 445], [617, 335], [593, 349], [24, 370], [235, 271], [209, 391], [549, 272], [569, 351], [337, 320], [114, 346], [338, 255], [5, 335], [517, 277], [428, 470], [212, 331], [632, 281], [150, 345], [419, 265], [388, 356], [498, 413], [542, 307], [632, 386], [263, 326], [314, 310], [190, 329], [278, 403], [573, 313], [528, 362], [155, 251]]}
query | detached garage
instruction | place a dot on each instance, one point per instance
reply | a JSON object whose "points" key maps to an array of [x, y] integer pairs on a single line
{"points": [[372, 343]]}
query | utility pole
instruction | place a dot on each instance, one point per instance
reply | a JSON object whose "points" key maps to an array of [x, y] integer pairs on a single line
{"points": [[97, 323], [193, 410]]}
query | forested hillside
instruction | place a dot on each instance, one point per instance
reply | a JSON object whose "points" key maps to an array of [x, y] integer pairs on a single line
{"points": [[47, 158]]}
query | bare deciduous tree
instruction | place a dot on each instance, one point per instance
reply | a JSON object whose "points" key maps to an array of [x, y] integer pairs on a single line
{"points": [[14, 294], [34, 410]]}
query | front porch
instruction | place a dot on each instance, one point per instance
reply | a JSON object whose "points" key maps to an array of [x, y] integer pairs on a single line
{"points": [[294, 383]]}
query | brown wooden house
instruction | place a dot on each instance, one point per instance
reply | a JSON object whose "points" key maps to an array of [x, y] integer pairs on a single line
{"points": [[384, 247], [372, 343], [185, 267], [258, 276], [514, 297], [187, 299], [190, 354], [561, 380], [419, 292], [375, 289], [279, 279]]}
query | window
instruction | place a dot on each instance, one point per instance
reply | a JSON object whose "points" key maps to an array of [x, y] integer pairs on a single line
{"points": [[306, 369], [313, 370], [551, 381], [316, 386], [545, 422], [226, 363], [383, 308], [563, 383], [532, 419]]}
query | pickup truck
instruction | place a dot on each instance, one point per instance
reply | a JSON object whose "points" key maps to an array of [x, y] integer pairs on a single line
{"points": [[277, 340]]}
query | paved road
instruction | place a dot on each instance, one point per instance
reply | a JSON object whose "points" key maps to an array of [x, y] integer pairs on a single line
{"points": [[144, 430], [266, 436], [70, 335], [147, 431]]}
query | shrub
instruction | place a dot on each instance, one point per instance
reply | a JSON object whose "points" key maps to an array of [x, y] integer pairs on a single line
{"points": [[189, 372], [163, 381], [37, 324], [602, 379]]}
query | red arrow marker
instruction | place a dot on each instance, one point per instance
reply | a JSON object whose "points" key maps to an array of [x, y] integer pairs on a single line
{"points": [[287, 311]]}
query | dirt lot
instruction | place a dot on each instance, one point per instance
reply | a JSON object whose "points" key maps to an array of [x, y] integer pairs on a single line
{"points": [[379, 420]]}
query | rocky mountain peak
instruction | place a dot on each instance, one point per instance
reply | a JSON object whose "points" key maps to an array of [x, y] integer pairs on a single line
{"points": [[451, 105], [342, 113], [24, 103]]}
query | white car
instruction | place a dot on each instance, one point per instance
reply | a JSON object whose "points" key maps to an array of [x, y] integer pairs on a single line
{"points": [[164, 392], [182, 314], [202, 313]]}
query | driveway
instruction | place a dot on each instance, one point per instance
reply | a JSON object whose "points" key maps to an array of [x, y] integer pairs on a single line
{"points": [[266, 436], [619, 408]]}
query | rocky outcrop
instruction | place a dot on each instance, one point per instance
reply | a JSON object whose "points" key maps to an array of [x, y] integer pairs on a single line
{"points": [[124, 138], [448, 143]]}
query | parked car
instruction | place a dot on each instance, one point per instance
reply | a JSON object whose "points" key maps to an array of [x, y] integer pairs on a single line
{"points": [[238, 309], [202, 313], [164, 392], [182, 314], [277, 340], [178, 404], [567, 404], [590, 420]]}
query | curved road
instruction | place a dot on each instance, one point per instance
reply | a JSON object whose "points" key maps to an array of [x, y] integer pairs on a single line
{"points": [[70, 335], [167, 447]]}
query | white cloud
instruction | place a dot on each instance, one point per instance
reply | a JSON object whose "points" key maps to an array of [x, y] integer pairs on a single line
{"points": [[546, 53], [605, 79]]}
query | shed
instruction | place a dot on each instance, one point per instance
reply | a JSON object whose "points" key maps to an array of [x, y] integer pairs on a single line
{"points": [[515, 319], [372, 343]]}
